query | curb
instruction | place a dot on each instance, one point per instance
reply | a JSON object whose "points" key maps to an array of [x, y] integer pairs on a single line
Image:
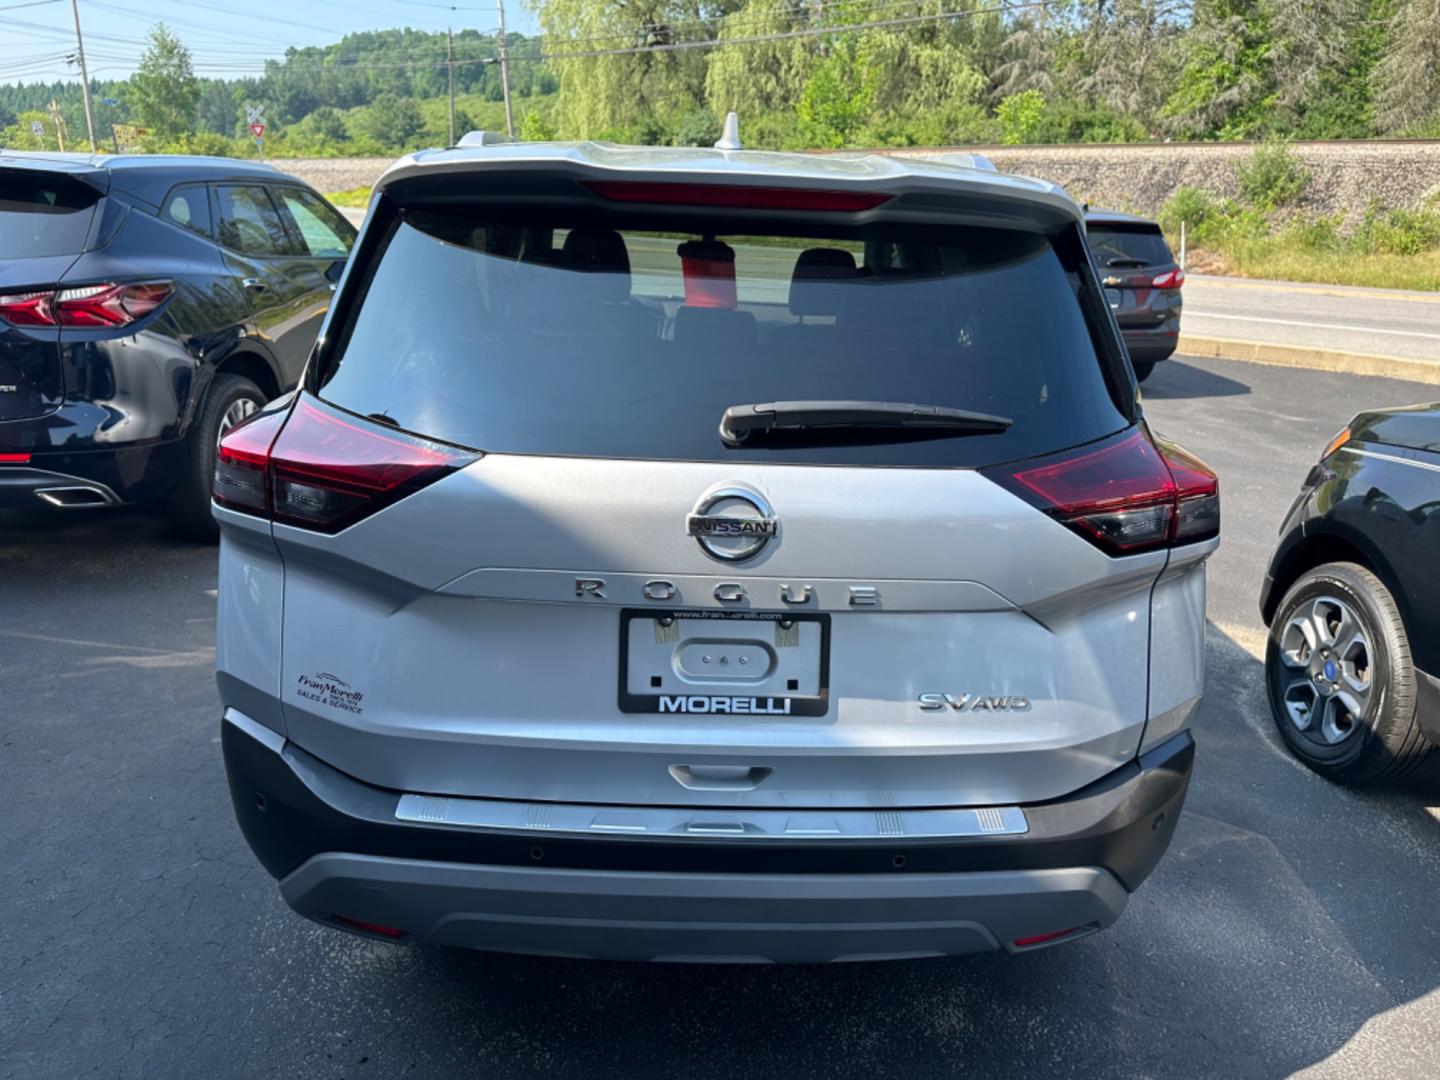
{"points": [[1301, 356]]}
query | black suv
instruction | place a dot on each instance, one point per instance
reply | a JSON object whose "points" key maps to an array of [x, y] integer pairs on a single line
{"points": [[1353, 661], [1142, 283], [147, 304]]}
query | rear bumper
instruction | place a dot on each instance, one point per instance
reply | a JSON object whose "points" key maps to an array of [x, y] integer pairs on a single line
{"points": [[338, 849], [90, 478], [1150, 345]]}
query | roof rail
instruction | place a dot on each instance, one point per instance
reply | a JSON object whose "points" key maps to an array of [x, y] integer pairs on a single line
{"points": [[483, 138]]}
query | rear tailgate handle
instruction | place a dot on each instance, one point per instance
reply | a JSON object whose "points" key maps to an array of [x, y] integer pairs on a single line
{"points": [[720, 777]]}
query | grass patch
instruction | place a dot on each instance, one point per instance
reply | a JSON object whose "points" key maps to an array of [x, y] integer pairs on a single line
{"points": [[356, 197], [1278, 260], [1388, 248]]}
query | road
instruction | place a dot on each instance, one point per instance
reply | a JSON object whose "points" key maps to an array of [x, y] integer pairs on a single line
{"points": [[1387, 322], [1292, 925]]}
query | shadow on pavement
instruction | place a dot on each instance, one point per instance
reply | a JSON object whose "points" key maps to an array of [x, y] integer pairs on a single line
{"points": [[1176, 379]]}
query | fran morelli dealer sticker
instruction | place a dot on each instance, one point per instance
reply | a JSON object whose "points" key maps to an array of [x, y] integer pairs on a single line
{"points": [[330, 690]]}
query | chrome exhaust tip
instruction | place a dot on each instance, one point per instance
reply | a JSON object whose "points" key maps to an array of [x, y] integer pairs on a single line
{"points": [[75, 497]]}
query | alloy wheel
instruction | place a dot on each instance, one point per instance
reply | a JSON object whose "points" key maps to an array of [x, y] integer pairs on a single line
{"points": [[1326, 653]]}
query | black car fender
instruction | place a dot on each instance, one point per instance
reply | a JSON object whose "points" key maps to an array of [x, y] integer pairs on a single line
{"points": [[243, 355]]}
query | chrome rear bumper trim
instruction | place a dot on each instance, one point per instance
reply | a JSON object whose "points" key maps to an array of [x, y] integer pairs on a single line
{"points": [[829, 825]]}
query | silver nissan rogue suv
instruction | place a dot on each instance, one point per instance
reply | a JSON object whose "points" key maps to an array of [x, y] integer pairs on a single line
{"points": [[711, 555]]}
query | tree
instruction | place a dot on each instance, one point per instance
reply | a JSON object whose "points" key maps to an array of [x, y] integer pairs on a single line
{"points": [[163, 93], [1127, 56], [626, 94], [759, 76], [840, 95], [1313, 40], [1021, 116], [1224, 89], [391, 121], [1407, 77]]}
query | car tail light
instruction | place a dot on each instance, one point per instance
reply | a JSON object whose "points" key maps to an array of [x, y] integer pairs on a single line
{"points": [[87, 306], [1171, 279], [322, 470], [1130, 494], [242, 464], [14, 459], [739, 196]]}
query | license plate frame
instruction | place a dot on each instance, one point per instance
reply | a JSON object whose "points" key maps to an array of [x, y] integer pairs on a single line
{"points": [[778, 706]]}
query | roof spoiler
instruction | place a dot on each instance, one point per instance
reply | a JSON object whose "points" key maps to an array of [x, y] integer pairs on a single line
{"points": [[483, 138], [965, 160]]}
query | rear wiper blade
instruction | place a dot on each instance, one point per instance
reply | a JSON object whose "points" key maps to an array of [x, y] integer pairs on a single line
{"points": [[1121, 260], [741, 422]]}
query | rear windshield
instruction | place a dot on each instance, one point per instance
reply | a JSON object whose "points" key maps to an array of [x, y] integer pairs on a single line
{"points": [[577, 338], [43, 215], [1128, 245]]}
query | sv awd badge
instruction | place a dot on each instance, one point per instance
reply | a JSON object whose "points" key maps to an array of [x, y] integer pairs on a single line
{"points": [[974, 703]]}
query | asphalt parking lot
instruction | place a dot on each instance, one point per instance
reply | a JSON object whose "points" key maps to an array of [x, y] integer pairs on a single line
{"points": [[1292, 925]]}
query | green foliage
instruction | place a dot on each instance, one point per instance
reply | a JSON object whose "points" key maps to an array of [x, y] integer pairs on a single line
{"points": [[357, 197], [391, 120], [536, 128], [21, 136], [805, 76], [1021, 117], [1398, 231], [1272, 178], [839, 95], [697, 127], [163, 91], [1224, 88]]}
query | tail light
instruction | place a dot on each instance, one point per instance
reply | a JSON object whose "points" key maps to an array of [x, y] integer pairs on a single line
{"points": [[1129, 495], [88, 306], [322, 470], [1171, 279]]}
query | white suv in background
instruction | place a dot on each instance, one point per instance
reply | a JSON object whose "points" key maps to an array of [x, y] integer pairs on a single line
{"points": [[712, 555]]}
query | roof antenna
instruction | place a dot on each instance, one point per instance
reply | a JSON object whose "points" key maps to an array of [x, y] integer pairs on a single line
{"points": [[730, 137]]}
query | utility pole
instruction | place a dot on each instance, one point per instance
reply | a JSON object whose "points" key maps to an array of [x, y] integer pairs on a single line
{"points": [[505, 72], [84, 76], [450, 68], [59, 124]]}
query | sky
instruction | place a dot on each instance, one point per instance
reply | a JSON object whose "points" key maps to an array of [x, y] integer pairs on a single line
{"points": [[226, 38]]}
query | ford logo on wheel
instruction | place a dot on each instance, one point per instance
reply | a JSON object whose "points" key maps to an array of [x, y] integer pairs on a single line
{"points": [[732, 523]]}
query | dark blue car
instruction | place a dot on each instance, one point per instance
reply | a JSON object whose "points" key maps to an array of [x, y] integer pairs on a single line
{"points": [[147, 304]]}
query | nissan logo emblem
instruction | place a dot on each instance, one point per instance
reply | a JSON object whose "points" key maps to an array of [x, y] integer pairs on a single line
{"points": [[732, 523]]}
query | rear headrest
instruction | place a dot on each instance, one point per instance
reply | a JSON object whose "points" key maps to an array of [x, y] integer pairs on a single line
{"points": [[814, 270], [601, 252]]}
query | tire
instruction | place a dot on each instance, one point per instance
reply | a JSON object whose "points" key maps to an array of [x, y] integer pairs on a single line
{"points": [[230, 398], [1143, 369], [1346, 733]]}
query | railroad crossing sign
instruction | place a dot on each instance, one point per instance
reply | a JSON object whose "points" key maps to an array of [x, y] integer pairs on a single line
{"points": [[254, 114]]}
